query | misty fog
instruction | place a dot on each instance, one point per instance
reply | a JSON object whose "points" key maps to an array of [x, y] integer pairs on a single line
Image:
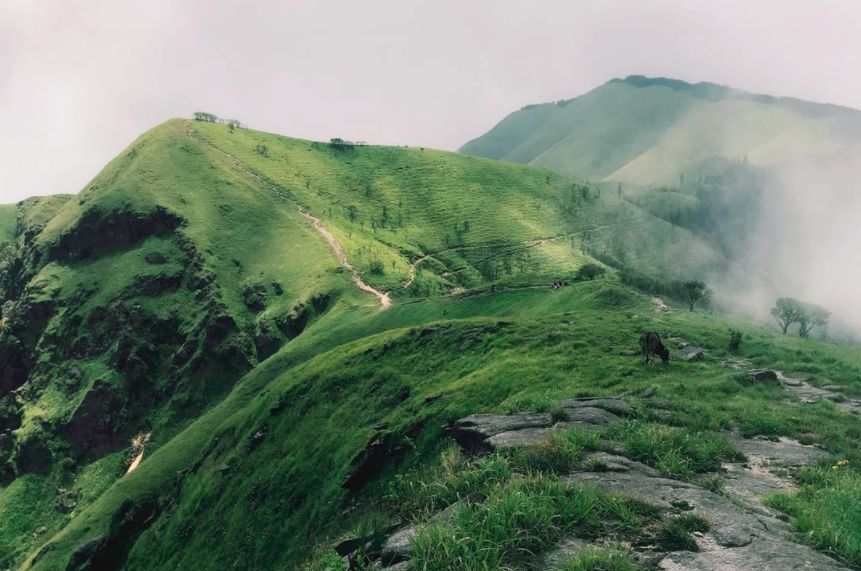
{"points": [[806, 244]]}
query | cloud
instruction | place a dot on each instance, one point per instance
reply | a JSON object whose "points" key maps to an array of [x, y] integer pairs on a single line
{"points": [[81, 79]]}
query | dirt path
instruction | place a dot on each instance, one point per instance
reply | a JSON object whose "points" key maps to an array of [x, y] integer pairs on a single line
{"points": [[808, 394], [385, 300], [138, 444]]}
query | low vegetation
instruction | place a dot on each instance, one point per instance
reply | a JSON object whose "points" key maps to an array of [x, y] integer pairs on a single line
{"points": [[276, 374], [827, 509]]}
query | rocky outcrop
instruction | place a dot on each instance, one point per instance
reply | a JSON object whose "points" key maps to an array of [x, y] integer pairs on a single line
{"points": [[272, 333], [807, 393], [254, 296], [382, 450], [99, 424], [744, 534], [99, 232], [690, 353], [764, 376], [34, 455], [485, 432], [111, 550]]}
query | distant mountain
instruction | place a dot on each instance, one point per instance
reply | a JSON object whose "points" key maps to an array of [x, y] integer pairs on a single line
{"points": [[651, 131]]}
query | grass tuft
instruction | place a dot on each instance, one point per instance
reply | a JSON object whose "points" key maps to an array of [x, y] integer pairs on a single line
{"points": [[594, 558], [827, 510]]}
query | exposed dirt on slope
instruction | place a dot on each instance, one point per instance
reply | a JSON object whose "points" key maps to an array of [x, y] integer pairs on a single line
{"points": [[385, 300]]}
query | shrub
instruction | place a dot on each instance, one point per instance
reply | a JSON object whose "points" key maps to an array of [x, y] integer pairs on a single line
{"points": [[455, 478], [675, 533], [827, 510], [735, 340], [376, 268], [590, 271], [524, 516]]}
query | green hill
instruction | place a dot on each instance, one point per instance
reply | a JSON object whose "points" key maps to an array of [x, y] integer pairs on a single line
{"points": [[209, 310], [649, 131]]}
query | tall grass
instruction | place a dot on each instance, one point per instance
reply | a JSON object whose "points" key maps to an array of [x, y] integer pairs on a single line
{"points": [[524, 517], [827, 511], [674, 452]]}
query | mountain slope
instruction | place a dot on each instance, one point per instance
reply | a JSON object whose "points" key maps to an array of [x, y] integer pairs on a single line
{"points": [[187, 306], [649, 131], [133, 307]]}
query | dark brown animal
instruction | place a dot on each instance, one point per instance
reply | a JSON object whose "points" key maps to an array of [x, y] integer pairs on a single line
{"points": [[650, 345]]}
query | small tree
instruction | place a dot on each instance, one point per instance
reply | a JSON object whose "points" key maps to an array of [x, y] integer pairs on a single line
{"points": [[811, 316], [786, 311], [696, 291], [206, 117], [340, 144], [590, 271]]}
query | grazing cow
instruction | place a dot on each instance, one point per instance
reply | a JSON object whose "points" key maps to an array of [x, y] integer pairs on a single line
{"points": [[650, 344]]}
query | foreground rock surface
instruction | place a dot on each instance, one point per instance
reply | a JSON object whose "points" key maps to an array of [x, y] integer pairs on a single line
{"points": [[743, 533], [485, 432]]}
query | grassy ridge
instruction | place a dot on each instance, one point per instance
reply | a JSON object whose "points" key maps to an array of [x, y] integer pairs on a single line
{"points": [[480, 221], [247, 470], [8, 218], [319, 431], [648, 132]]}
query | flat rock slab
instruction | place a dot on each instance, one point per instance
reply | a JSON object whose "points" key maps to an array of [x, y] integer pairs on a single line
{"points": [[485, 432], [808, 394], [763, 553], [760, 474], [561, 554], [611, 404], [520, 438], [784, 451], [398, 546], [690, 353], [743, 536], [473, 432], [606, 462]]}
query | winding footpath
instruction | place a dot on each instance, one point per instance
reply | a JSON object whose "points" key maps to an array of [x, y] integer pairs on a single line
{"points": [[383, 297], [385, 300]]}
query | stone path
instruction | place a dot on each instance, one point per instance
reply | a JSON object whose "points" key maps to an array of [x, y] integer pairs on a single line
{"points": [[807, 393], [485, 432], [744, 534]]}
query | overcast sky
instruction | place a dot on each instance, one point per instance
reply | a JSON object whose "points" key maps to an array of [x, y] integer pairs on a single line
{"points": [[79, 80]]}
